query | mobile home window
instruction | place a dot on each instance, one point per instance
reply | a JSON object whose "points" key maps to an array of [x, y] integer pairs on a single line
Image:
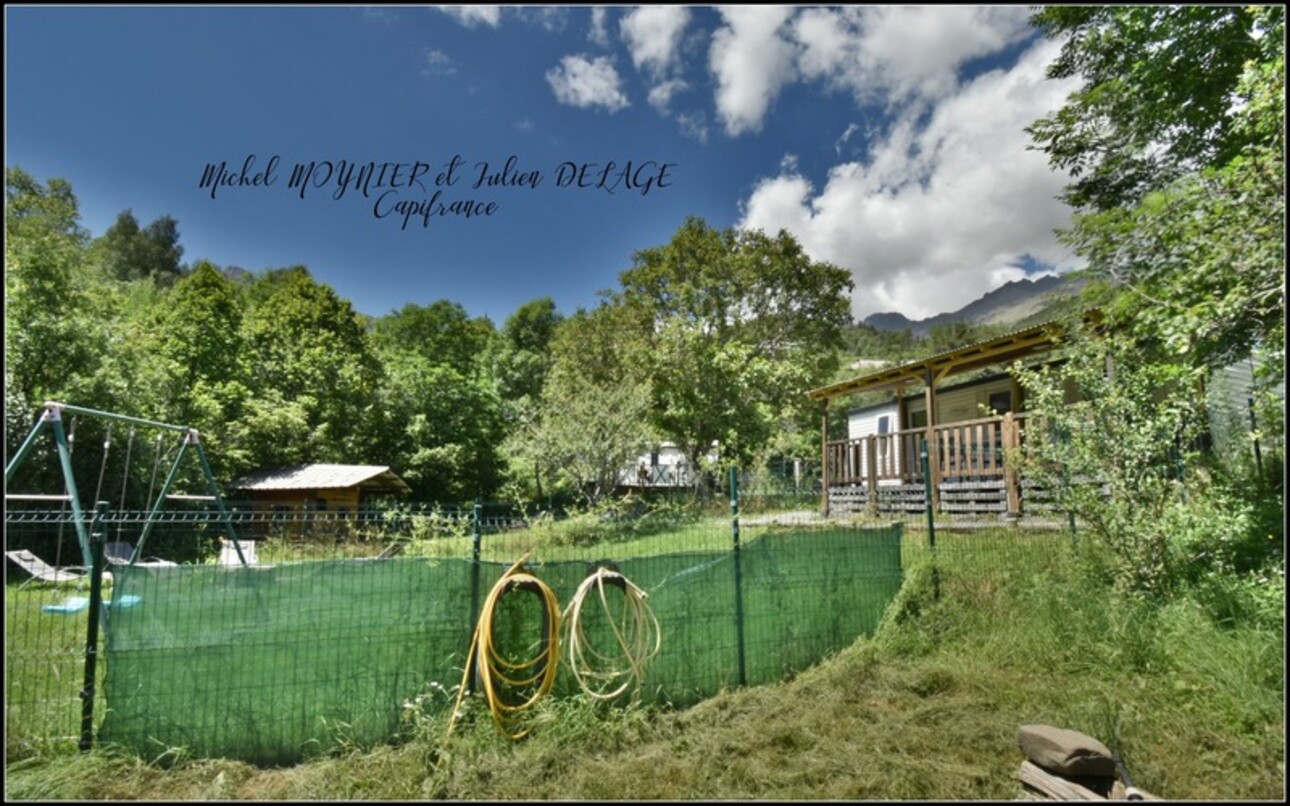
{"points": [[1001, 402], [884, 424]]}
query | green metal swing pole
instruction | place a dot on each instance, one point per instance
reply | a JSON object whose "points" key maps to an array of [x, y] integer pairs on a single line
{"points": [[118, 417], [45, 418], [52, 418], [161, 498], [190, 438], [195, 438]]}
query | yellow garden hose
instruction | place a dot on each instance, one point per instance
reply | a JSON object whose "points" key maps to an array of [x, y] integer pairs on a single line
{"points": [[606, 675], [495, 672]]}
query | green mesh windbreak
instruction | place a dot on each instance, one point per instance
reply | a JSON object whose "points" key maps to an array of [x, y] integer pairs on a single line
{"points": [[273, 664]]}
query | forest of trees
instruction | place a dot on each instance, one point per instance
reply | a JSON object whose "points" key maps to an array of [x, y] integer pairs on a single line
{"points": [[274, 368]]}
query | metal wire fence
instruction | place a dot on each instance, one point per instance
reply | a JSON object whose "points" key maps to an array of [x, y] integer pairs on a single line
{"points": [[325, 626]]}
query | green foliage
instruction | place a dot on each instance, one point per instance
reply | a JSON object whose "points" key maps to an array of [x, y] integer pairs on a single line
{"points": [[309, 349], [525, 358], [441, 332], [52, 334], [594, 419], [440, 428], [1157, 93], [737, 325], [1175, 144], [1127, 440], [125, 252]]}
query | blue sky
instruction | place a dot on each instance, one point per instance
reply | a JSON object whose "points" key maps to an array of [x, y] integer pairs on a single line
{"points": [[887, 139]]}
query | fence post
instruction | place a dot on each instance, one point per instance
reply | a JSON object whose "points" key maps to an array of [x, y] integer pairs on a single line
{"points": [[739, 584], [931, 520], [97, 537], [1254, 429], [476, 539]]}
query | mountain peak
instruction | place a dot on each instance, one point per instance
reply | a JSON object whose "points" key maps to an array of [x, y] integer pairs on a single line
{"points": [[1011, 302]]}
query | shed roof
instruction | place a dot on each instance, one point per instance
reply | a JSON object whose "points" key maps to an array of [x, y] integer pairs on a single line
{"points": [[377, 478]]}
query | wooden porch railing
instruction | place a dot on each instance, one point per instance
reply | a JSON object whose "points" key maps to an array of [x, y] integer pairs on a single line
{"points": [[966, 451]]}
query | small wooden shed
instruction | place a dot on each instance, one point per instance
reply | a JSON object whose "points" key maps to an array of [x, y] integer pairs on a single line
{"points": [[340, 489]]}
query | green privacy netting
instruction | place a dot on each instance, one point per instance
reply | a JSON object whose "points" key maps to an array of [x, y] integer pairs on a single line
{"points": [[272, 664]]}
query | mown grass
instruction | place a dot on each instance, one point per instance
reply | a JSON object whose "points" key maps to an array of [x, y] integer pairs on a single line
{"points": [[927, 709]]}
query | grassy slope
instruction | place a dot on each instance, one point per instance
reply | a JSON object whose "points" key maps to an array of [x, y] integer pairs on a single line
{"points": [[929, 709]]}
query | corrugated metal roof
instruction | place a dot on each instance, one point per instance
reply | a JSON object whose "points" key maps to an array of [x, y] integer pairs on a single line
{"points": [[322, 477]]}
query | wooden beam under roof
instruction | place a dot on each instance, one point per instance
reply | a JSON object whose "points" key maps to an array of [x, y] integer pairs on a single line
{"points": [[1000, 350]]}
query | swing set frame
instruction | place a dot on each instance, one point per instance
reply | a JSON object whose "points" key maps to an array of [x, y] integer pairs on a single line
{"points": [[51, 417]]}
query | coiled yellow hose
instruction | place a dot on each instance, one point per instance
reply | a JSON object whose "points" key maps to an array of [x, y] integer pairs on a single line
{"points": [[636, 632], [495, 671]]}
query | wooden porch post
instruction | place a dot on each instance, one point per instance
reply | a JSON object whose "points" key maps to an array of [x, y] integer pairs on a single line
{"points": [[872, 459], [933, 450], [1011, 479], [824, 465]]}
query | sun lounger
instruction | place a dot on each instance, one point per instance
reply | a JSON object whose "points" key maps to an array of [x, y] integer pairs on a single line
{"points": [[43, 571]]}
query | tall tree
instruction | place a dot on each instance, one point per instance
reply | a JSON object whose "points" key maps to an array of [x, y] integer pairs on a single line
{"points": [[1157, 98], [127, 252], [521, 365], [441, 332], [525, 356], [52, 338], [306, 345], [1177, 143], [739, 325], [441, 429], [594, 407]]}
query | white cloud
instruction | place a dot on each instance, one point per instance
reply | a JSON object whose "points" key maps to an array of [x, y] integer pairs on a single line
{"points": [[579, 81], [660, 95], [902, 54], [940, 213], [378, 14], [694, 125], [653, 35], [751, 62], [438, 63], [552, 19], [470, 16], [599, 33]]}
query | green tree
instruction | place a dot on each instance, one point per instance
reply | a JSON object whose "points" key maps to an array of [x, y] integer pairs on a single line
{"points": [[127, 252], [521, 364], [737, 326], [1176, 147], [52, 336], [440, 429], [1157, 98], [306, 345], [593, 414], [525, 356], [1177, 142], [441, 332]]}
